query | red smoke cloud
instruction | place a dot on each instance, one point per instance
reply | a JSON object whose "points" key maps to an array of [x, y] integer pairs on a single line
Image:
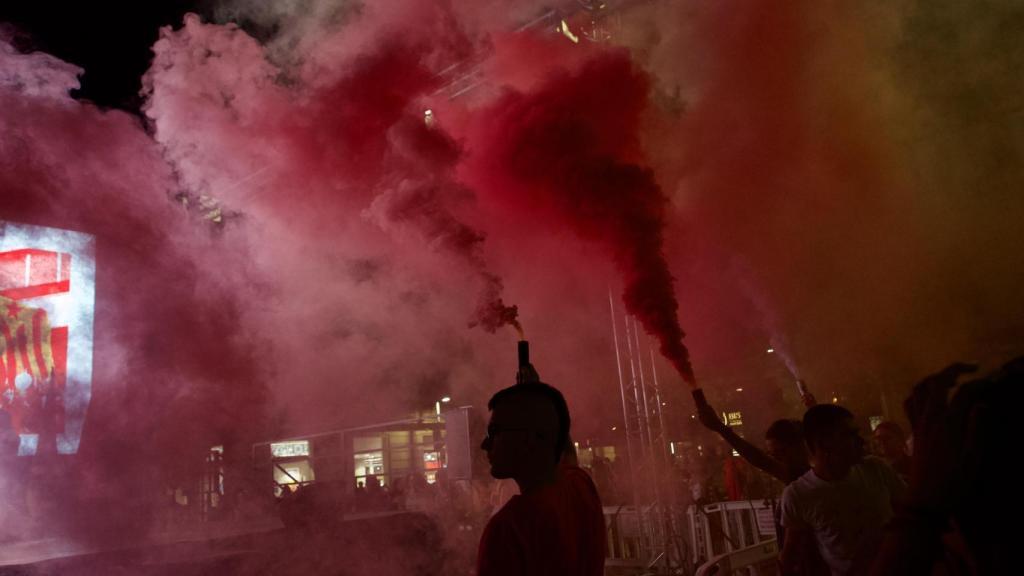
{"points": [[570, 148], [351, 138], [344, 127]]}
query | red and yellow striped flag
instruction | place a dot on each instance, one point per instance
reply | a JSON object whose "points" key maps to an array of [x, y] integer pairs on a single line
{"points": [[24, 344]]}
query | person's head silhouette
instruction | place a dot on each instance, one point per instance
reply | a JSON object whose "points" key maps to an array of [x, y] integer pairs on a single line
{"points": [[833, 440], [527, 434], [785, 442]]}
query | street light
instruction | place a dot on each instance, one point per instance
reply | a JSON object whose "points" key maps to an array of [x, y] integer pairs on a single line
{"points": [[437, 404]]}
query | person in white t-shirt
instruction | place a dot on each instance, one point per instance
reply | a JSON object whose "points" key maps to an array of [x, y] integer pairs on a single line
{"points": [[841, 504]]}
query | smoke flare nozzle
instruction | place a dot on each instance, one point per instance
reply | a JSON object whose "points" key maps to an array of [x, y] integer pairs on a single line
{"points": [[526, 373]]}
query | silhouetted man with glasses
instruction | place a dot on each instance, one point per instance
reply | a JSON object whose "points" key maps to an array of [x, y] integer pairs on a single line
{"points": [[555, 526]]}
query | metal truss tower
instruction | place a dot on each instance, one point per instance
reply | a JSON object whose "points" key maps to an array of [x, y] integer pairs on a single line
{"points": [[648, 450]]}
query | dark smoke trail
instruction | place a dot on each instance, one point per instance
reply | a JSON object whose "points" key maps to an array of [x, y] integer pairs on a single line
{"points": [[570, 148], [419, 190], [492, 313]]}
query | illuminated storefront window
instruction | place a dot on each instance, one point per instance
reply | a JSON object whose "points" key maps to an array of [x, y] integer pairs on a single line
{"points": [[368, 459], [405, 452], [397, 454], [369, 463], [291, 475], [586, 456]]}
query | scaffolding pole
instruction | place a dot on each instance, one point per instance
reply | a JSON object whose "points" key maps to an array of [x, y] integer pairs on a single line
{"points": [[630, 448], [647, 449]]}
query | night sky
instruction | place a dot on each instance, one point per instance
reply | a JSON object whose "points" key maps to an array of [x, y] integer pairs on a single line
{"points": [[112, 41]]}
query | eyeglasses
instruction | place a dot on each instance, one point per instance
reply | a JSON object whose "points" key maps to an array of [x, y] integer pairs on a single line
{"points": [[493, 431]]}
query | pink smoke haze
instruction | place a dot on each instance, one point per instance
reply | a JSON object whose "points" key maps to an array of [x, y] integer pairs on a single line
{"points": [[166, 329], [284, 244]]}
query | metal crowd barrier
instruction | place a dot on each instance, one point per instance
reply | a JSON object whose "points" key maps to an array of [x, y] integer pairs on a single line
{"points": [[722, 538], [734, 538]]}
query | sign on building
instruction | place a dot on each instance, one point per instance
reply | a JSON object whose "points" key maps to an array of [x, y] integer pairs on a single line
{"points": [[289, 449]]}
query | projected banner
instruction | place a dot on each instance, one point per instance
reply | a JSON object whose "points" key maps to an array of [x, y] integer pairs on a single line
{"points": [[47, 301]]}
